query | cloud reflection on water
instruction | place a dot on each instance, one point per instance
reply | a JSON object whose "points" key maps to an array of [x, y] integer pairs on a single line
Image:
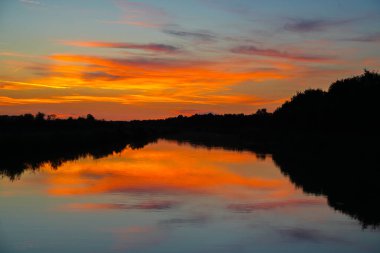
{"points": [[166, 169]]}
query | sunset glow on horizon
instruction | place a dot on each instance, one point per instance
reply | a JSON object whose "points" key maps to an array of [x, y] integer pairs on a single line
{"points": [[122, 60]]}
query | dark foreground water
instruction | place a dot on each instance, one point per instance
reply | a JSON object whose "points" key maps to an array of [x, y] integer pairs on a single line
{"points": [[175, 198]]}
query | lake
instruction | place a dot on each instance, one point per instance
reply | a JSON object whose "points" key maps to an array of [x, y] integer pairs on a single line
{"points": [[171, 197]]}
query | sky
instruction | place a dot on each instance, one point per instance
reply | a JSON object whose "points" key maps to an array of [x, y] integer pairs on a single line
{"points": [[122, 60]]}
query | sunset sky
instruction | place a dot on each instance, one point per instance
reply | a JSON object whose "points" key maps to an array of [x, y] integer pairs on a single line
{"points": [[120, 60]]}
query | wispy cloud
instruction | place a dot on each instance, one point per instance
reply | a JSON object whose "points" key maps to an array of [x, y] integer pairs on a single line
{"points": [[101, 75], [183, 70], [16, 54], [154, 47], [33, 84], [150, 205], [196, 35], [131, 63], [313, 25], [309, 235], [7, 101], [374, 37], [197, 220], [273, 205], [268, 52], [33, 2]]}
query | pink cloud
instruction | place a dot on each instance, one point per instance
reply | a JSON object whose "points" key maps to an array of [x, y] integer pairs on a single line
{"points": [[141, 14]]}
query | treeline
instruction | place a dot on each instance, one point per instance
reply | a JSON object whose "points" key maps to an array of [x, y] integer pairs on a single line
{"points": [[349, 105], [27, 141], [40, 116], [41, 127]]}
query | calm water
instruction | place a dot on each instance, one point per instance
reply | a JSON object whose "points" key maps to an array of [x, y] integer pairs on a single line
{"points": [[175, 198]]}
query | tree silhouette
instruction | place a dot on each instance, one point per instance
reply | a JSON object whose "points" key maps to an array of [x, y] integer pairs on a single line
{"points": [[89, 117], [40, 116]]}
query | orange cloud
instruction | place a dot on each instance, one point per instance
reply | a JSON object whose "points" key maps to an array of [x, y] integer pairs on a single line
{"points": [[144, 81], [164, 73], [172, 82], [23, 84], [4, 101], [141, 99]]}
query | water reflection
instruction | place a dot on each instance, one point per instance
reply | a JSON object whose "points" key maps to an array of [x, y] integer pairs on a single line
{"points": [[171, 198], [166, 169], [349, 178]]}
